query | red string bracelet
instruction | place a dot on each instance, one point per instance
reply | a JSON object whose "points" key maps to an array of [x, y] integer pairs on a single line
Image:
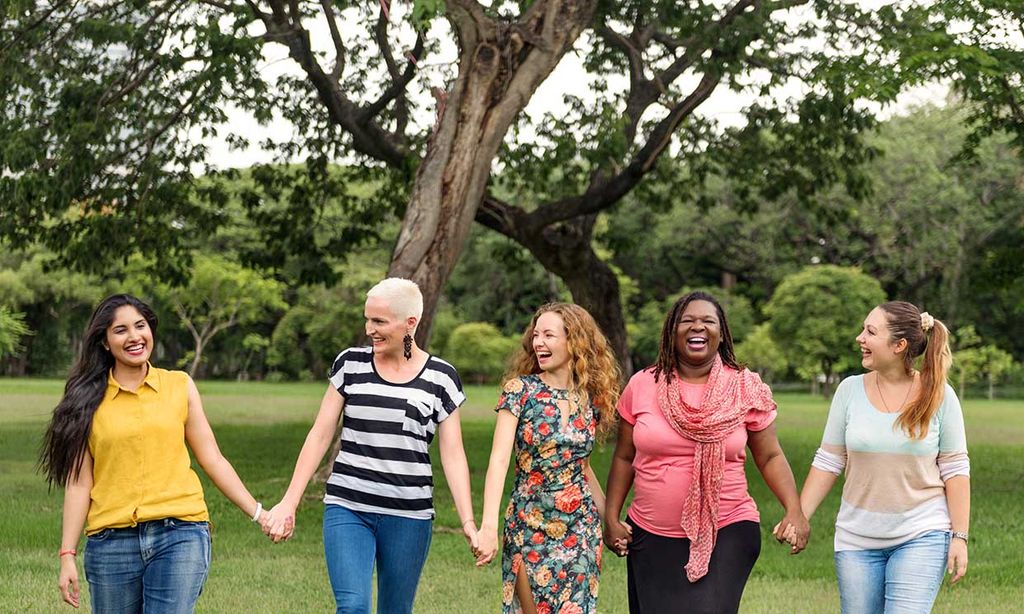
{"points": [[72, 552]]}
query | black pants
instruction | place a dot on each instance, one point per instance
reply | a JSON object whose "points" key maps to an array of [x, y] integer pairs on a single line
{"points": [[658, 582]]}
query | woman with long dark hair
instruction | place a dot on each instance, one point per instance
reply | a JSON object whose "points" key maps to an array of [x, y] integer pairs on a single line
{"points": [[117, 444], [692, 534]]}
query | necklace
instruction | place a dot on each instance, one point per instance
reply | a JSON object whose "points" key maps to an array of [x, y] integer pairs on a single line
{"points": [[878, 386]]}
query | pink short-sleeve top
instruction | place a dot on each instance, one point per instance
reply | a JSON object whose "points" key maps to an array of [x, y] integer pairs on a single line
{"points": [[663, 464]]}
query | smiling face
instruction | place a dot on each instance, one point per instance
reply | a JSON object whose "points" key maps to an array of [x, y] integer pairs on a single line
{"points": [[698, 333], [384, 328], [877, 350], [550, 342], [129, 337]]}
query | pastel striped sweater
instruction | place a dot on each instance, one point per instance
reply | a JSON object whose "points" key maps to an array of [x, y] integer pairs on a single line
{"points": [[895, 486]]}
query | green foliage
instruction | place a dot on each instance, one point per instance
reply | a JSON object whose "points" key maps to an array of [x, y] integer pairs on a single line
{"points": [[56, 304], [322, 321], [221, 294], [479, 351], [974, 362], [817, 313], [760, 353], [12, 329], [445, 321], [498, 281]]}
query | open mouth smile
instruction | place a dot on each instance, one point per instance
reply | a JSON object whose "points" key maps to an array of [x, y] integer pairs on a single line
{"points": [[696, 342]]}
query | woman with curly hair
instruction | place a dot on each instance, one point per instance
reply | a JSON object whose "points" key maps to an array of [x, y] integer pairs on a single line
{"points": [[560, 396]]}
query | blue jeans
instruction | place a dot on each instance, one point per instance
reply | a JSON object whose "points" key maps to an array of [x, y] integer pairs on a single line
{"points": [[353, 541], [903, 579], [156, 567]]}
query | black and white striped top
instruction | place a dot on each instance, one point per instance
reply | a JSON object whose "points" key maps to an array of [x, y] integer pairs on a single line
{"points": [[384, 462]]}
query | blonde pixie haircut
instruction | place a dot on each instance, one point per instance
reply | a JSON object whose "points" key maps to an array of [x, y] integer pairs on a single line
{"points": [[402, 295]]}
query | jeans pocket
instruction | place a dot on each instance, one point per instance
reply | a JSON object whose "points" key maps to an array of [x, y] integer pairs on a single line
{"points": [[188, 524], [96, 538]]}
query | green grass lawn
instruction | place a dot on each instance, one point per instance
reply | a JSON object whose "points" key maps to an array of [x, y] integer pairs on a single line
{"points": [[260, 428]]}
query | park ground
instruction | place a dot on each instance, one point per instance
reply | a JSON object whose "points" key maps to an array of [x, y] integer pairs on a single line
{"points": [[261, 427]]}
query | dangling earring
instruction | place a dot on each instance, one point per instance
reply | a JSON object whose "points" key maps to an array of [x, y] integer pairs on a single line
{"points": [[407, 346]]}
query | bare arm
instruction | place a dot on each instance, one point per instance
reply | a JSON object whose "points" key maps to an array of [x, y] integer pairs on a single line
{"points": [[77, 498], [595, 489], [494, 484], [201, 440], [816, 487], [456, 473], [318, 440], [775, 469], [618, 534], [958, 498]]}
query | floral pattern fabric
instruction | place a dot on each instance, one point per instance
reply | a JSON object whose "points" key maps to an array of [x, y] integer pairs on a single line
{"points": [[552, 525]]}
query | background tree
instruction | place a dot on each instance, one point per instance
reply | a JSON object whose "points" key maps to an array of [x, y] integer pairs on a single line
{"points": [[479, 351], [817, 313], [12, 329], [760, 353], [219, 295]]}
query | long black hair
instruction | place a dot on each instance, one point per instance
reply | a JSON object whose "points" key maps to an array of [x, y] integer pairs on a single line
{"points": [[67, 436], [668, 359]]}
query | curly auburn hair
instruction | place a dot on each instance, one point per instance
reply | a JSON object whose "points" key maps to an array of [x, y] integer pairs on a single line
{"points": [[593, 371]]}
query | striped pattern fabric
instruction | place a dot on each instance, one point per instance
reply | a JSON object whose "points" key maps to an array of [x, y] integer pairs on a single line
{"points": [[895, 486], [384, 462]]}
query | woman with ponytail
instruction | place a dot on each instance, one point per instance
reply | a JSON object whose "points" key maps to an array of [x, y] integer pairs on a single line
{"points": [[117, 444], [898, 432]]}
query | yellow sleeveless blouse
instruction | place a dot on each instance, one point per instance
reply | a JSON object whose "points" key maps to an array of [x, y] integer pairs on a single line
{"points": [[141, 467]]}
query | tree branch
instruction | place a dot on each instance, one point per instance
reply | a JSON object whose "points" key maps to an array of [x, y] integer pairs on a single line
{"points": [[603, 192], [399, 80], [368, 138], [339, 44]]}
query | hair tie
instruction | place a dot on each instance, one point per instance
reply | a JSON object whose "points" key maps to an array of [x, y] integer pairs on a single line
{"points": [[927, 321]]}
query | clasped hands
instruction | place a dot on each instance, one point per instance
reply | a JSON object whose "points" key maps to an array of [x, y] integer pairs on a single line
{"points": [[794, 530], [278, 523]]}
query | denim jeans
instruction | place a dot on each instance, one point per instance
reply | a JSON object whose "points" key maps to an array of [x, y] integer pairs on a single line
{"points": [[155, 567], [353, 541], [904, 579]]}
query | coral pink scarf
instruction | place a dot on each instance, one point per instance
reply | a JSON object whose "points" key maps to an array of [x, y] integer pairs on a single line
{"points": [[728, 396]]}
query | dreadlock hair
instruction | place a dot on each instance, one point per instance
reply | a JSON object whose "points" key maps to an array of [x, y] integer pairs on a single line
{"points": [[668, 358]]}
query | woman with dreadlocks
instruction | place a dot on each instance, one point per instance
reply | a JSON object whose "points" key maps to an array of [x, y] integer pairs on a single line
{"points": [[692, 533]]}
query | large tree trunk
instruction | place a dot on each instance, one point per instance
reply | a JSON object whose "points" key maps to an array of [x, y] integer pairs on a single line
{"points": [[500, 67]]}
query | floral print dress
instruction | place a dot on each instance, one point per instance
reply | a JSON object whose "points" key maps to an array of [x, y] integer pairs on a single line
{"points": [[552, 525]]}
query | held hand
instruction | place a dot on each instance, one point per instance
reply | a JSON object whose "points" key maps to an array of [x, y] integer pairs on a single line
{"points": [[956, 562], [793, 529], [487, 545], [279, 522], [617, 536], [470, 533], [67, 581]]}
